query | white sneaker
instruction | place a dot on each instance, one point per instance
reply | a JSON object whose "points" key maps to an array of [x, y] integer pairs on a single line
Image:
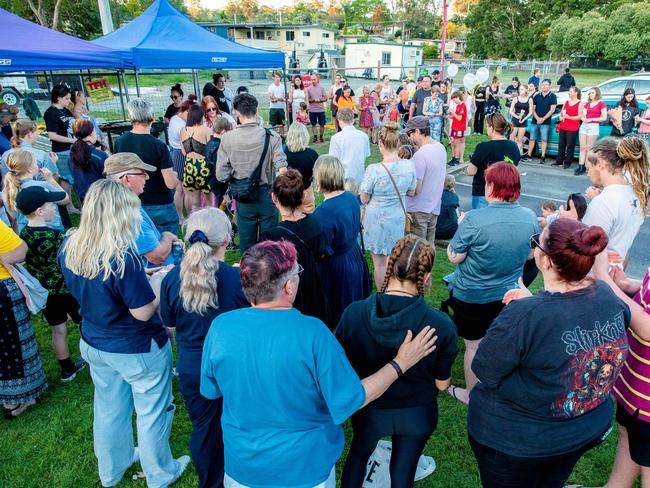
{"points": [[184, 461], [136, 455]]}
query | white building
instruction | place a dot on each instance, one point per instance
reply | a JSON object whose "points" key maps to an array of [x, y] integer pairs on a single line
{"points": [[393, 59]]}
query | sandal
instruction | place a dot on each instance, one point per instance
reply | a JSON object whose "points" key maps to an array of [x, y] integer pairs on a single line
{"points": [[452, 391], [12, 413]]}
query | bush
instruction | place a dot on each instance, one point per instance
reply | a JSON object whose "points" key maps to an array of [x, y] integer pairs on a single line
{"points": [[430, 52]]}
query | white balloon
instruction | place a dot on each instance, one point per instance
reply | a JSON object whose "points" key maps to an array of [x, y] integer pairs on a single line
{"points": [[469, 81], [482, 74], [452, 70]]}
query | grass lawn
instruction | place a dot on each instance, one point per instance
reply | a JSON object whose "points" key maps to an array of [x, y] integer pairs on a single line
{"points": [[51, 445]]}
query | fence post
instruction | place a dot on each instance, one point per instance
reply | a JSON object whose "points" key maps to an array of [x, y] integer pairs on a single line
{"points": [[137, 83], [126, 87], [119, 85], [378, 71]]}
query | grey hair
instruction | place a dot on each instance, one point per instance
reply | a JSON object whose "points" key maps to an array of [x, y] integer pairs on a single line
{"points": [[140, 111]]}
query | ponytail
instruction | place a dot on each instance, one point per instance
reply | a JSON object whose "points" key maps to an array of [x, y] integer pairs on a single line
{"points": [[19, 165], [22, 128], [633, 153], [80, 151], [205, 231]]}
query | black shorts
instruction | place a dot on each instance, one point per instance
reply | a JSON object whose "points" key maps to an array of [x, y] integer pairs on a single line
{"points": [[317, 118], [519, 125], [638, 434], [58, 307], [276, 116], [474, 319]]}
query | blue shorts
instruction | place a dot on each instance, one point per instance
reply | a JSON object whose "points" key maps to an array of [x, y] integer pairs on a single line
{"points": [[317, 118], [543, 130]]}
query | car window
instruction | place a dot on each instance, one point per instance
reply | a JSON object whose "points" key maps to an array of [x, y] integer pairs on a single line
{"points": [[641, 86], [614, 88]]}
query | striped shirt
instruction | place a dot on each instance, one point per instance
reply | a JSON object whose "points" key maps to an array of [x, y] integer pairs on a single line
{"points": [[632, 388]]}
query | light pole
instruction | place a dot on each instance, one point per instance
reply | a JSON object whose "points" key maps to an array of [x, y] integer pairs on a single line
{"points": [[105, 16]]}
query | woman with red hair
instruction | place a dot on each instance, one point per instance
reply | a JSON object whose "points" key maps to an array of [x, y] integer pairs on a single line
{"points": [[212, 113], [547, 366], [490, 248]]}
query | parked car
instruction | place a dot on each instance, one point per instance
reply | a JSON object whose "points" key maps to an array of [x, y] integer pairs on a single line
{"points": [[616, 86], [551, 149]]}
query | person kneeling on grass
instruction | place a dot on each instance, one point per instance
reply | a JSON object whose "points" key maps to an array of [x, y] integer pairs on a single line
{"points": [[43, 242], [281, 425]]}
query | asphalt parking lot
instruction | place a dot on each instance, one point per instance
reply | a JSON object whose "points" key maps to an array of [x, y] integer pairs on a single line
{"points": [[546, 182]]}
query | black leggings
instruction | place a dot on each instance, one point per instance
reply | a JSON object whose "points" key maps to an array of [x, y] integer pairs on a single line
{"points": [[409, 428], [479, 117], [566, 146]]}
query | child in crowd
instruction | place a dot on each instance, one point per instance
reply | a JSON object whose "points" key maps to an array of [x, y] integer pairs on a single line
{"points": [[43, 242], [349, 184], [391, 113], [548, 209], [550, 212], [302, 115], [458, 128], [405, 151], [447, 223]]}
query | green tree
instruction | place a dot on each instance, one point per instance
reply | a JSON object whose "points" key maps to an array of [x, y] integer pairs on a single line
{"points": [[430, 51]]}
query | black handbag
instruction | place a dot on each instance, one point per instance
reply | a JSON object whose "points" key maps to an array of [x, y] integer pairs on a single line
{"points": [[247, 190]]}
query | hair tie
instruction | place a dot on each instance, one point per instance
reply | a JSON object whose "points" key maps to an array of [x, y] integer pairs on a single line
{"points": [[198, 236]]}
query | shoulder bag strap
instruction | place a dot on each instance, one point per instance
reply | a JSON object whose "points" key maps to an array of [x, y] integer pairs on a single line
{"points": [[19, 281], [255, 176], [396, 190]]}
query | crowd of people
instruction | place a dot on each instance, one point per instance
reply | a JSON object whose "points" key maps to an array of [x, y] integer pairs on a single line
{"points": [[276, 351]]}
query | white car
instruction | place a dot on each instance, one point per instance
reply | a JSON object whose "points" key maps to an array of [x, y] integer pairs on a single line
{"points": [[616, 86]]}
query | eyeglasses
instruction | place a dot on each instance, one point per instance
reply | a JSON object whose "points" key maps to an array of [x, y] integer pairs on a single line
{"points": [[174, 97], [299, 272], [211, 109], [535, 243], [144, 175]]}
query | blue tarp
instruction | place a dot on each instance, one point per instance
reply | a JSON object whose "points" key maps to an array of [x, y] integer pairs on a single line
{"points": [[31, 47], [162, 37]]}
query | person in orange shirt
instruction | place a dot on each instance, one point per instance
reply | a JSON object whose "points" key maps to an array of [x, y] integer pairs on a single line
{"points": [[345, 100]]}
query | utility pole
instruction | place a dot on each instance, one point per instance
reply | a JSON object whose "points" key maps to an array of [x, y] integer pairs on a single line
{"points": [[105, 16], [443, 38]]}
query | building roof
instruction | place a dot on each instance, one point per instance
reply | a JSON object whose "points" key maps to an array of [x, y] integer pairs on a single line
{"points": [[267, 25]]}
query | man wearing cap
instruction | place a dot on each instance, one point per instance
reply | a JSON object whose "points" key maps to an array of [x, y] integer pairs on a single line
{"points": [[351, 146], [43, 243], [430, 170], [154, 247]]}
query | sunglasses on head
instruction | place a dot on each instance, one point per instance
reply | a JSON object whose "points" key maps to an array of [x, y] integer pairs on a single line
{"points": [[535, 243]]}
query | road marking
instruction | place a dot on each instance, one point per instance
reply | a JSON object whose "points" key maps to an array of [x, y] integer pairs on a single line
{"points": [[529, 195]]}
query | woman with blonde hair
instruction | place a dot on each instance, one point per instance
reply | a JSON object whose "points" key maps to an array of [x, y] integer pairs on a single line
{"points": [[343, 266], [301, 157], [25, 135], [192, 296], [21, 173], [122, 337], [385, 186]]}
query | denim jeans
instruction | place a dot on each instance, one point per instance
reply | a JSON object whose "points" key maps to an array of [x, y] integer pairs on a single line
{"points": [[122, 382], [164, 217], [479, 202]]}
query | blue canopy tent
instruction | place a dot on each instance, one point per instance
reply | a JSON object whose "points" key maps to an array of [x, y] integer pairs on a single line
{"points": [[32, 47], [162, 37]]}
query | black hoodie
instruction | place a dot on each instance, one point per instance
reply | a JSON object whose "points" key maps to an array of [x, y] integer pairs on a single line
{"points": [[371, 332]]}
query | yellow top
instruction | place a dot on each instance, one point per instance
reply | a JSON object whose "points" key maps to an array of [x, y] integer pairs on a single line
{"points": [[345, 103], [8, 242]]}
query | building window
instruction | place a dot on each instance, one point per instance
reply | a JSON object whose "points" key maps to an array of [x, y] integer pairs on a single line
{"points": [[259, 34], [306, 34], [248, 34], [385, 58], [326, 34], [291, 35]]}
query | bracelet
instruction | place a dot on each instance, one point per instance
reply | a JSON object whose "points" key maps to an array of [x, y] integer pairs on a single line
{"points": [[397, 368]]}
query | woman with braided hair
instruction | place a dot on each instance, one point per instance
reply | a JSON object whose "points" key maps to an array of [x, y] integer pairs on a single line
{"points": [[371, 332], [619, 170]]}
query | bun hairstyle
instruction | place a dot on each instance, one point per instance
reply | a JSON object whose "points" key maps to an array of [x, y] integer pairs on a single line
{"points": [[498, 123], [411, 260], [177, 88], [389, 135], [191, 100], [573, 246], [288, 188], [629, 154]]}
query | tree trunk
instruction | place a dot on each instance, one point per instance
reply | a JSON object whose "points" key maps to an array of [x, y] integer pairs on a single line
{"points": [[55, 16], [623, 66]]}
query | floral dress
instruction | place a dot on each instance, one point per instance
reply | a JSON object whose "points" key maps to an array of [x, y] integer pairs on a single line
{"points": [[366, 104], [384, 219], [435, 121]]}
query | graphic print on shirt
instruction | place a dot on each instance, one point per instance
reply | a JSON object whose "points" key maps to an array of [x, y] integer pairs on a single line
{"points": [[597, 355]]}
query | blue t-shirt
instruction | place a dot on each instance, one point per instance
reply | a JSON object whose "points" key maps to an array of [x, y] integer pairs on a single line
{"points": [[497, 242], [286, 387], [107, 323], [149, 239], [191, 328], [5, 145], [83, 179]]}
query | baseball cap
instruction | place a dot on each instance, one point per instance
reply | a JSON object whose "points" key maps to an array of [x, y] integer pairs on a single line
{"points": [[120, 162], [33, 197], [418, 122]]}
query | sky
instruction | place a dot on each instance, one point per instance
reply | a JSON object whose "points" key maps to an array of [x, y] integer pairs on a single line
{"points": [[219, 4]]}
